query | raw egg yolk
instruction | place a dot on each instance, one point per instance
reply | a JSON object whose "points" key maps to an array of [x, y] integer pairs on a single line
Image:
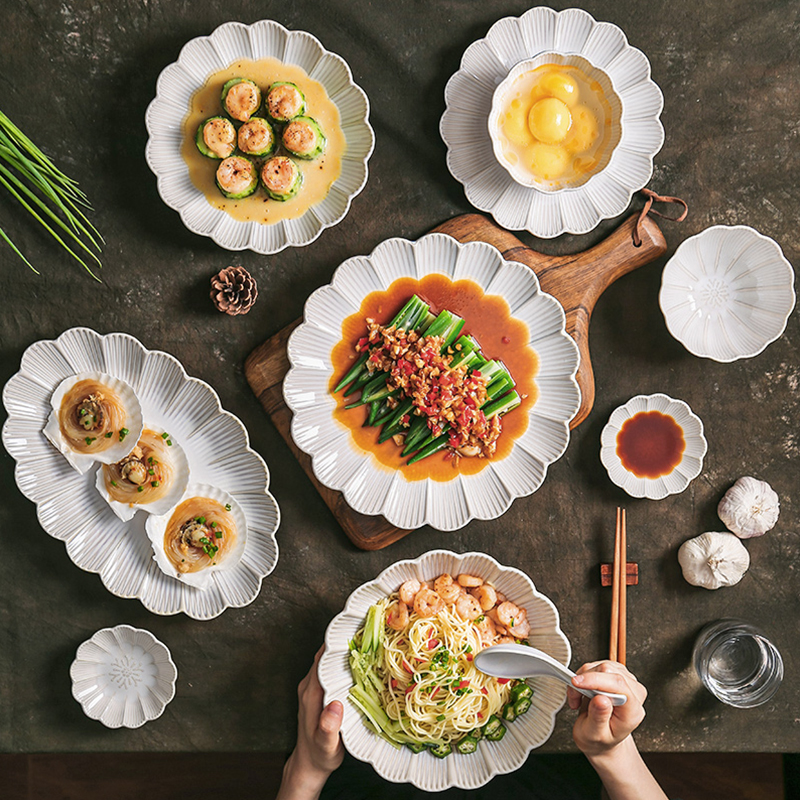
{"points": [[515, 124], [561, 86], [547, 160], [549, 120]]}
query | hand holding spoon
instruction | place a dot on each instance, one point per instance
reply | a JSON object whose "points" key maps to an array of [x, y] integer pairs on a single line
{"points": [[520, 661]]}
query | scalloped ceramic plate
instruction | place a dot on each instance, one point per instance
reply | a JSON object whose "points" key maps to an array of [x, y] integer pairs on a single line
{"points": [[71, 509], [492, 758], [727, 293], [468, 98], [123, 677], [682, 475], [205, 55], [372, 488]]}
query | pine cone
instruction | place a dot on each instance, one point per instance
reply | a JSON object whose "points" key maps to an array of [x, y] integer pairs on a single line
{"points": [[234, 290]]}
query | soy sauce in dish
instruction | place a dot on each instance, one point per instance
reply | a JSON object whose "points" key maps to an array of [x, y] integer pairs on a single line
{"points": [[650, 444]]}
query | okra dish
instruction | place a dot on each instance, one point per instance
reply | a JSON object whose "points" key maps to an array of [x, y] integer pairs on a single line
{"points": [[261, 135], [426, 386], [412, 662]]}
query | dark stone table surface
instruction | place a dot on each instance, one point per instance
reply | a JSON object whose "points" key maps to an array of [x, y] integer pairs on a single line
{"points": [[77, 75]]}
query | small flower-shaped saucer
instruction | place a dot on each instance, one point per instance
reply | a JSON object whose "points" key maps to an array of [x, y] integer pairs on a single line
{"points": [[658, 418], [123, 677]]}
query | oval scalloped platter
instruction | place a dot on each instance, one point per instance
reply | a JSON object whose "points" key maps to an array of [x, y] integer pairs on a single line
{"points": [[206, 55], [71, 509], [370, 487]]}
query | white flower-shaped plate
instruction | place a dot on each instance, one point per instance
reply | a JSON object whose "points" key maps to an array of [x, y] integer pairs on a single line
{"points": [[123, 677], [372, 488], [687, 469], [205, 55], [727, 293], [468, 99], [71, 509], [492, 758]]}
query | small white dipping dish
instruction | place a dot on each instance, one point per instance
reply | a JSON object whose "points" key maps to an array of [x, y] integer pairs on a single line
{"points": [[503, 95], [727, 293], [682, 474], [123, 677]]}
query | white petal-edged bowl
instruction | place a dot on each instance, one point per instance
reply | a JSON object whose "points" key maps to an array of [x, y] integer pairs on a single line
{"points": [[71, 509], [727, 293], [570, 35], [123, 677], [687, 469], [492, 758], [372, 488], [206, 55]]}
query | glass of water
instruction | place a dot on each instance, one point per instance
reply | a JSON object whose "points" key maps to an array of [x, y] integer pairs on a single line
{"points": [[737, 664]]}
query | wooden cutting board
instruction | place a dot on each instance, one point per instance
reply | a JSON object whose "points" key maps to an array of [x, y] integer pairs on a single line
{"points": [[576, 281]]}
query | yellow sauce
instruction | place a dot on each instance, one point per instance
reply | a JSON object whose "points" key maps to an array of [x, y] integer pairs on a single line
{"points": [[556, 125], [318, 175]]}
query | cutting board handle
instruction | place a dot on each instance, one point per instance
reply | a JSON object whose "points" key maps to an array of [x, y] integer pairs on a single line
{"points": [[576, 281]]}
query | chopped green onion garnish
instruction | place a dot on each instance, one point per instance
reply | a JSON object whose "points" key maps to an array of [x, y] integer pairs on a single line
{"points": [[114, 483], [227, 506], [440, 718], [89, 439], [109, 434], [201, 520], [140, 489], [154, 484], [165, 436], [83, 412], [169, 442], [151, 472]]}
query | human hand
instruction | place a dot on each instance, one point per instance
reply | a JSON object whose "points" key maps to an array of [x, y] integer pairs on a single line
{"points": [[600, 727], [319, 749]]}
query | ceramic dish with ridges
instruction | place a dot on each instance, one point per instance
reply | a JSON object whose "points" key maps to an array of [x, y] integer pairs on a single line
{"points": [[372, 488], [71, 509], [492, 758], [468, 99], [123, 677], [205, 55], [682, 475], [727, 293]]}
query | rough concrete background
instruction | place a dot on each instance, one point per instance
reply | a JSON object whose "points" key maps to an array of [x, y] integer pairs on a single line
{"points": [[77, 75]]}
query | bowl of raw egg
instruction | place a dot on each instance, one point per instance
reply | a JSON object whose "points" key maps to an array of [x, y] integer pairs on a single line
{"points": [[555, 121]]}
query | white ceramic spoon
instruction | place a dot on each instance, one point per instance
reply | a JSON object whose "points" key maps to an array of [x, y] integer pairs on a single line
{"points": [[520, 661]]}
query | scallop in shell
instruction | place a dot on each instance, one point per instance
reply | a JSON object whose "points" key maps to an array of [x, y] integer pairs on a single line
{"points": [[205, 533], [95, 417], [153, 476]]}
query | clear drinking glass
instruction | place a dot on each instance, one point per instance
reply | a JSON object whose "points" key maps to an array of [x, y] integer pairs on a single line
{"points": [[737, 664]]}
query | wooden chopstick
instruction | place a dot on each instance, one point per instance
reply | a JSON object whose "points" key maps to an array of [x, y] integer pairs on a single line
{"points": [[619, 628]]}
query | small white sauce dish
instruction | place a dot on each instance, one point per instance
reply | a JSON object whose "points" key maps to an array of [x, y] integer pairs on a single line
{"points": [[123, 677], [503, 95], [685, 471], [727, 293]]}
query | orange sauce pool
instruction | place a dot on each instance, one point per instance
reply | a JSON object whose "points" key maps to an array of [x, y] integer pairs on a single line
{"points": [[487, 318], [650, 444]]}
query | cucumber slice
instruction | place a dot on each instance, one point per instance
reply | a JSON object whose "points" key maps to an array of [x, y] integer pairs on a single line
{"points": [[303, 138], [216, 138]]}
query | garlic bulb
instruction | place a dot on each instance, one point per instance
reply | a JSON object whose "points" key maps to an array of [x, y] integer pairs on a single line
{"points": [[713, 559], [749, 508]]}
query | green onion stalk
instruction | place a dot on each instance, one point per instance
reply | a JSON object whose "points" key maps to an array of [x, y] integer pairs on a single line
{"points": [[52, 198]]}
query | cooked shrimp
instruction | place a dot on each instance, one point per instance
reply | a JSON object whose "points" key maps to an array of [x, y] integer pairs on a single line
{"points": [[506, 614], [467, 607], [408, 590], [427, 603], [506, 640], [501, 598], [397, 616], [469, 580], [487, 631], [485, 595], [492, 615], [447, 588]]}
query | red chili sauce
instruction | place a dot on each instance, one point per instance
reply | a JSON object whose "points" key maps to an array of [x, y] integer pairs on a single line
{"points": [[650, 444], [487, 318]]}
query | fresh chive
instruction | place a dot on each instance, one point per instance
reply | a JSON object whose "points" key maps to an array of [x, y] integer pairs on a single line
{"points": [[169, 442], [440, 718], [227, 506], [109, 434], [154, 484], [89, 439], [83, 412], [151, 472], [140, 489], [114, 483], [201, 520], [165, 436]]}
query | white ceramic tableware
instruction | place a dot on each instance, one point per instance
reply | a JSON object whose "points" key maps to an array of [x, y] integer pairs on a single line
{"points": [[71, 509], [687, 469], [727, 293], [468, 98], [123, 677], [527, 732], [369, 486], [520, 661], [205, 55]]}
